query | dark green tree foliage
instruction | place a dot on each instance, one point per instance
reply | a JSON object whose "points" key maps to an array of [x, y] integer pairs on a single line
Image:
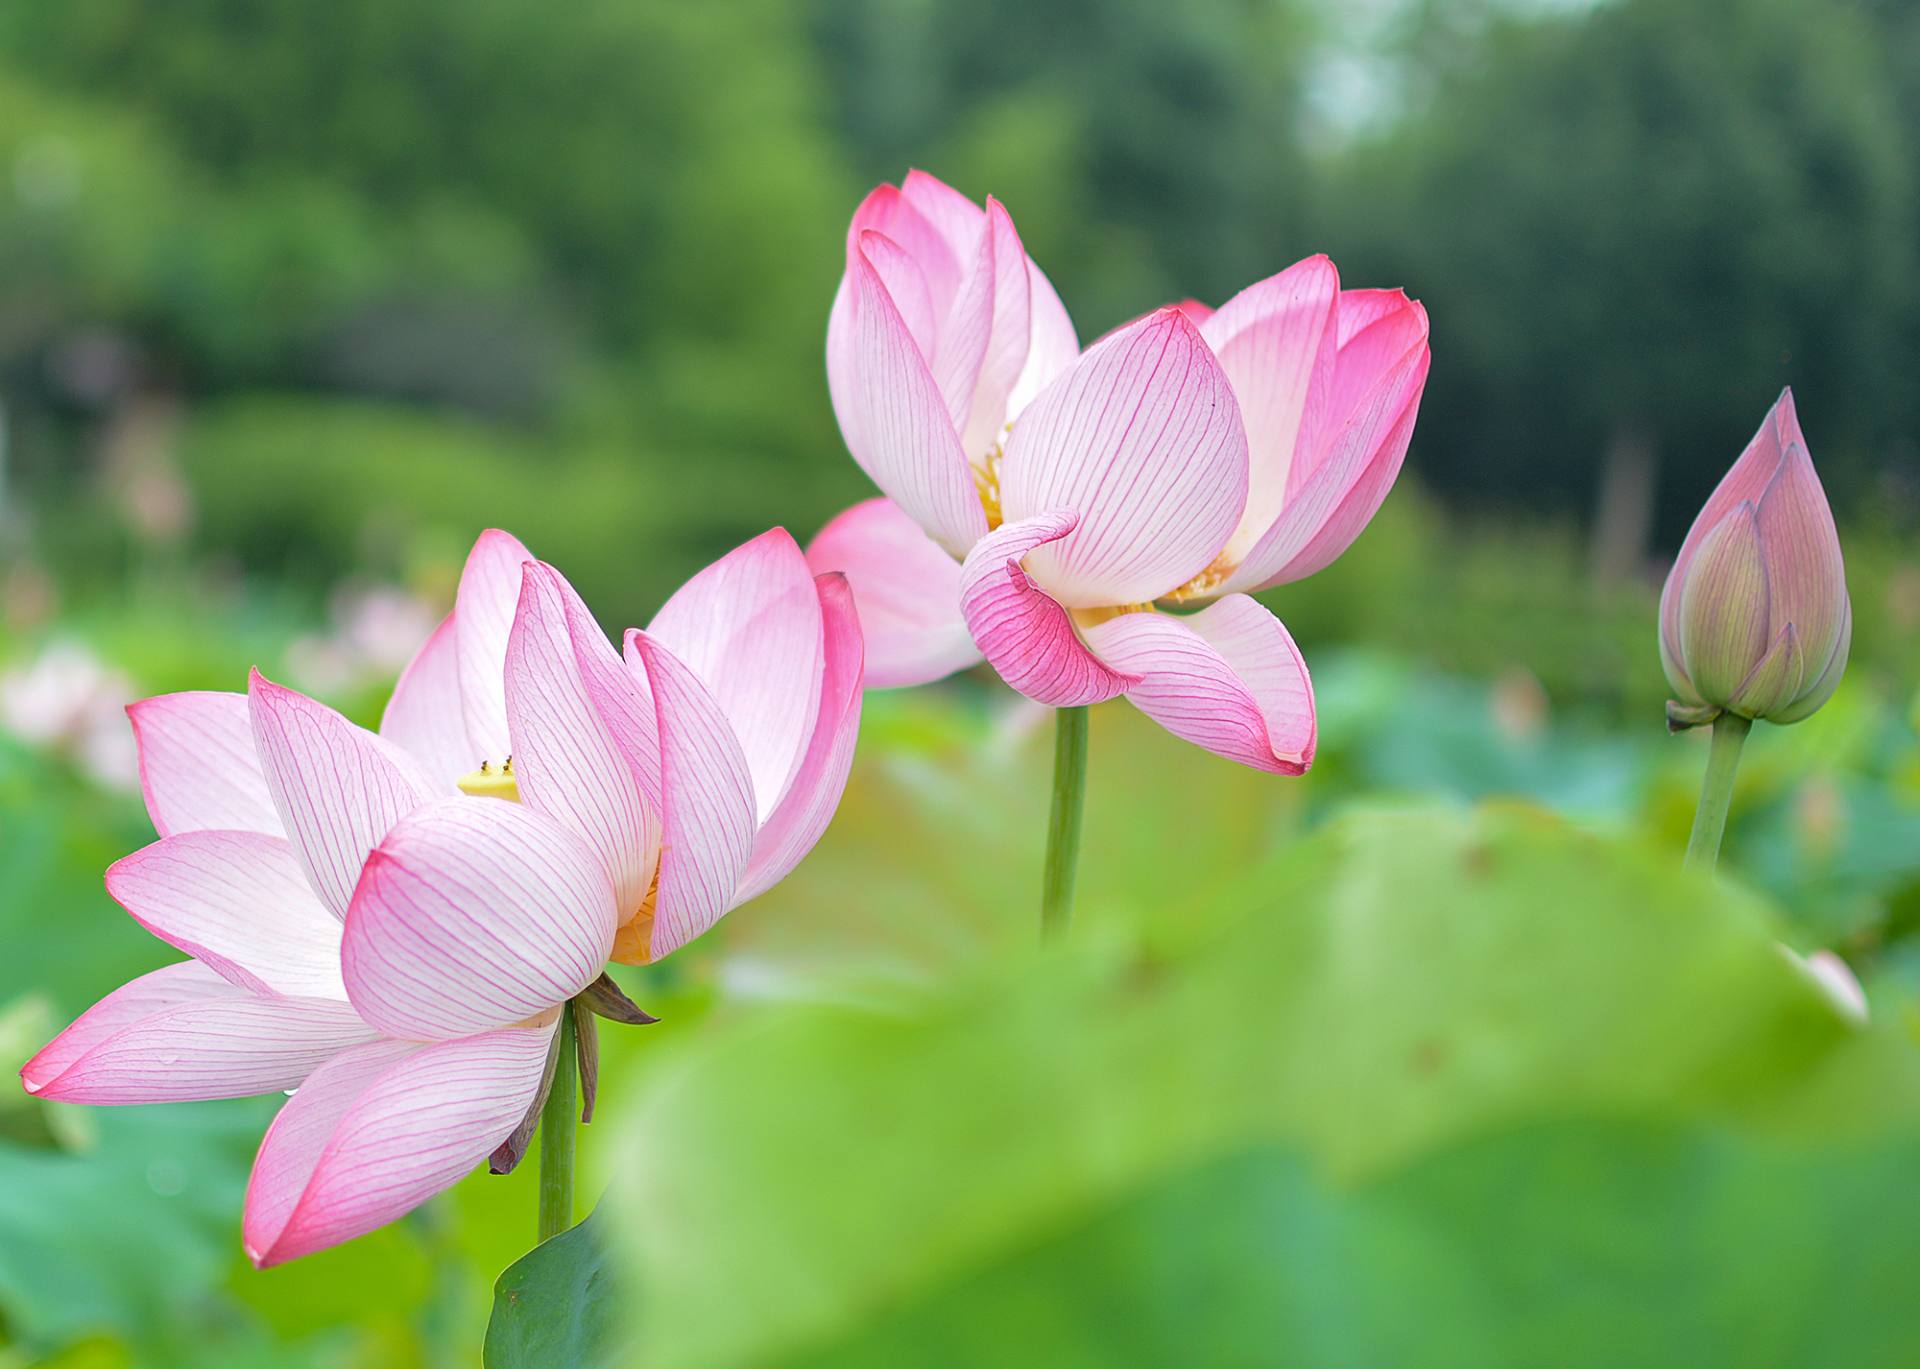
{"points": [[1647, 219]]}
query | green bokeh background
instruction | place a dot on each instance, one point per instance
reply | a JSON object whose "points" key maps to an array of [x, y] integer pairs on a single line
{"points": [[1430, 1057]]}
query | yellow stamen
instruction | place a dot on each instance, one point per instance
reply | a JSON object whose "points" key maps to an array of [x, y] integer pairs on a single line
{"points": [[1093, 617], [1207, 582], [488, 783], [633, 942], [986, 482]]}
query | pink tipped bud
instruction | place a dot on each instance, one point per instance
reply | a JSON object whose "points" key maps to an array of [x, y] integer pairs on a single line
{"points": [[1754, 618]]}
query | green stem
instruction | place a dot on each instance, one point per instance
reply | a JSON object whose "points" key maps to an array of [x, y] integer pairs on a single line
{"points": [[1716, 790], [556, 1139], [1063, 824]]}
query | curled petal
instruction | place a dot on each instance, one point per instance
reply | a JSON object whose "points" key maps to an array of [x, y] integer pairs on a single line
{"points": [[1276, 342], [239, 903], [226, 1046], [198, 766], [568, 762], [749, 627], [906, 589], [474, 914], [378, 1131], [424, 717], [483, 617], [1346, 487], [338, 787], [1142, 439], [804, 813], [1025, 633], [707, 804], [1227, 678]]}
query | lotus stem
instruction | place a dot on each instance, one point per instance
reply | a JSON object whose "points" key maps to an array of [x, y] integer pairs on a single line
{"points": [[1063, 823], [1716, 789], [557, 1121]]}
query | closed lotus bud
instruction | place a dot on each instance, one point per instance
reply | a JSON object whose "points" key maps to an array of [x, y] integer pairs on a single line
{"points": [[1754, 619]]}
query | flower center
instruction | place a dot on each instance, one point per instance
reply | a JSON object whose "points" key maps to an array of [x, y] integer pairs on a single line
{"points": [[1206, 582], [986, 482], [1093, 617], [489, 782]]}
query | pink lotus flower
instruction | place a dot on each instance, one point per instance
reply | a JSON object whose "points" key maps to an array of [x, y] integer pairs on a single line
{"points": [[1192, 456], [1755, 618], [400, 953]]}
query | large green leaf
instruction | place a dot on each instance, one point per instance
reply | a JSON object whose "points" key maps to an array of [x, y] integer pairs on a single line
{"points": [[557, 1304], [1426, 1058]]}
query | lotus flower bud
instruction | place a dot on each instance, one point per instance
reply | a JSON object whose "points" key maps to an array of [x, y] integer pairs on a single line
{"points": [[1754, 618]]}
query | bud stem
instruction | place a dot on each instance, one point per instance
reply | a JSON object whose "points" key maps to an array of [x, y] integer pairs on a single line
{"points": [[1063, 823], [1716, 789], [556, 1139]]}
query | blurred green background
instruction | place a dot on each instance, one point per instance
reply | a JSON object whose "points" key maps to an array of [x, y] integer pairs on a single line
{"points": [[296, 298]]}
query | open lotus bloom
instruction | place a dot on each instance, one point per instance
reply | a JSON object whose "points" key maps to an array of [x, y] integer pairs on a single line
{"points": [[1754, 618], [399, 951], [1187, 458]]}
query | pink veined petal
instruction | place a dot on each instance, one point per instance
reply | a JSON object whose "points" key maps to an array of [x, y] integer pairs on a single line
{"points": [[1743, 484], [902, 214], [707, 800], [338, 787], [483, 616], [803, 815], [1227, 678], [566, 759], [749, 627], [906, 285], [1276, 342], [205, 1047], [239, 903], [1379, 349], [378, 1131], [198, 767], [1052, 346], [957, 219], [1359, 309], [1024, 632], [424, 716], [1143, 441], [1196, 311], [984, 345], [1806, 577], [474, 914], [188, 981], [1321, 520], [907, 591], [901, 433]]}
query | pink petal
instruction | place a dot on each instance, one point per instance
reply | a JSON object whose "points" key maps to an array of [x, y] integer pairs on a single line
{"points": [[1024, 632], [185, 982], [1142, 440], [424, 716], [1743, 484], [483, 616], [567, 760], [1198, 312], [1359, 309], [1227, 678], [1806, 575], [707, 800], [1321, 518], [907, 590], [1005, 335], [1723, 607], [474, 914], [239, 903], [1052, 345], [952, 215], [198, 767], [378, 1131], [803, 815], [901, 434], [1378, 350], [749, 627], [906, 286], [229, 1046], [338, 787], [1276, 342]]}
